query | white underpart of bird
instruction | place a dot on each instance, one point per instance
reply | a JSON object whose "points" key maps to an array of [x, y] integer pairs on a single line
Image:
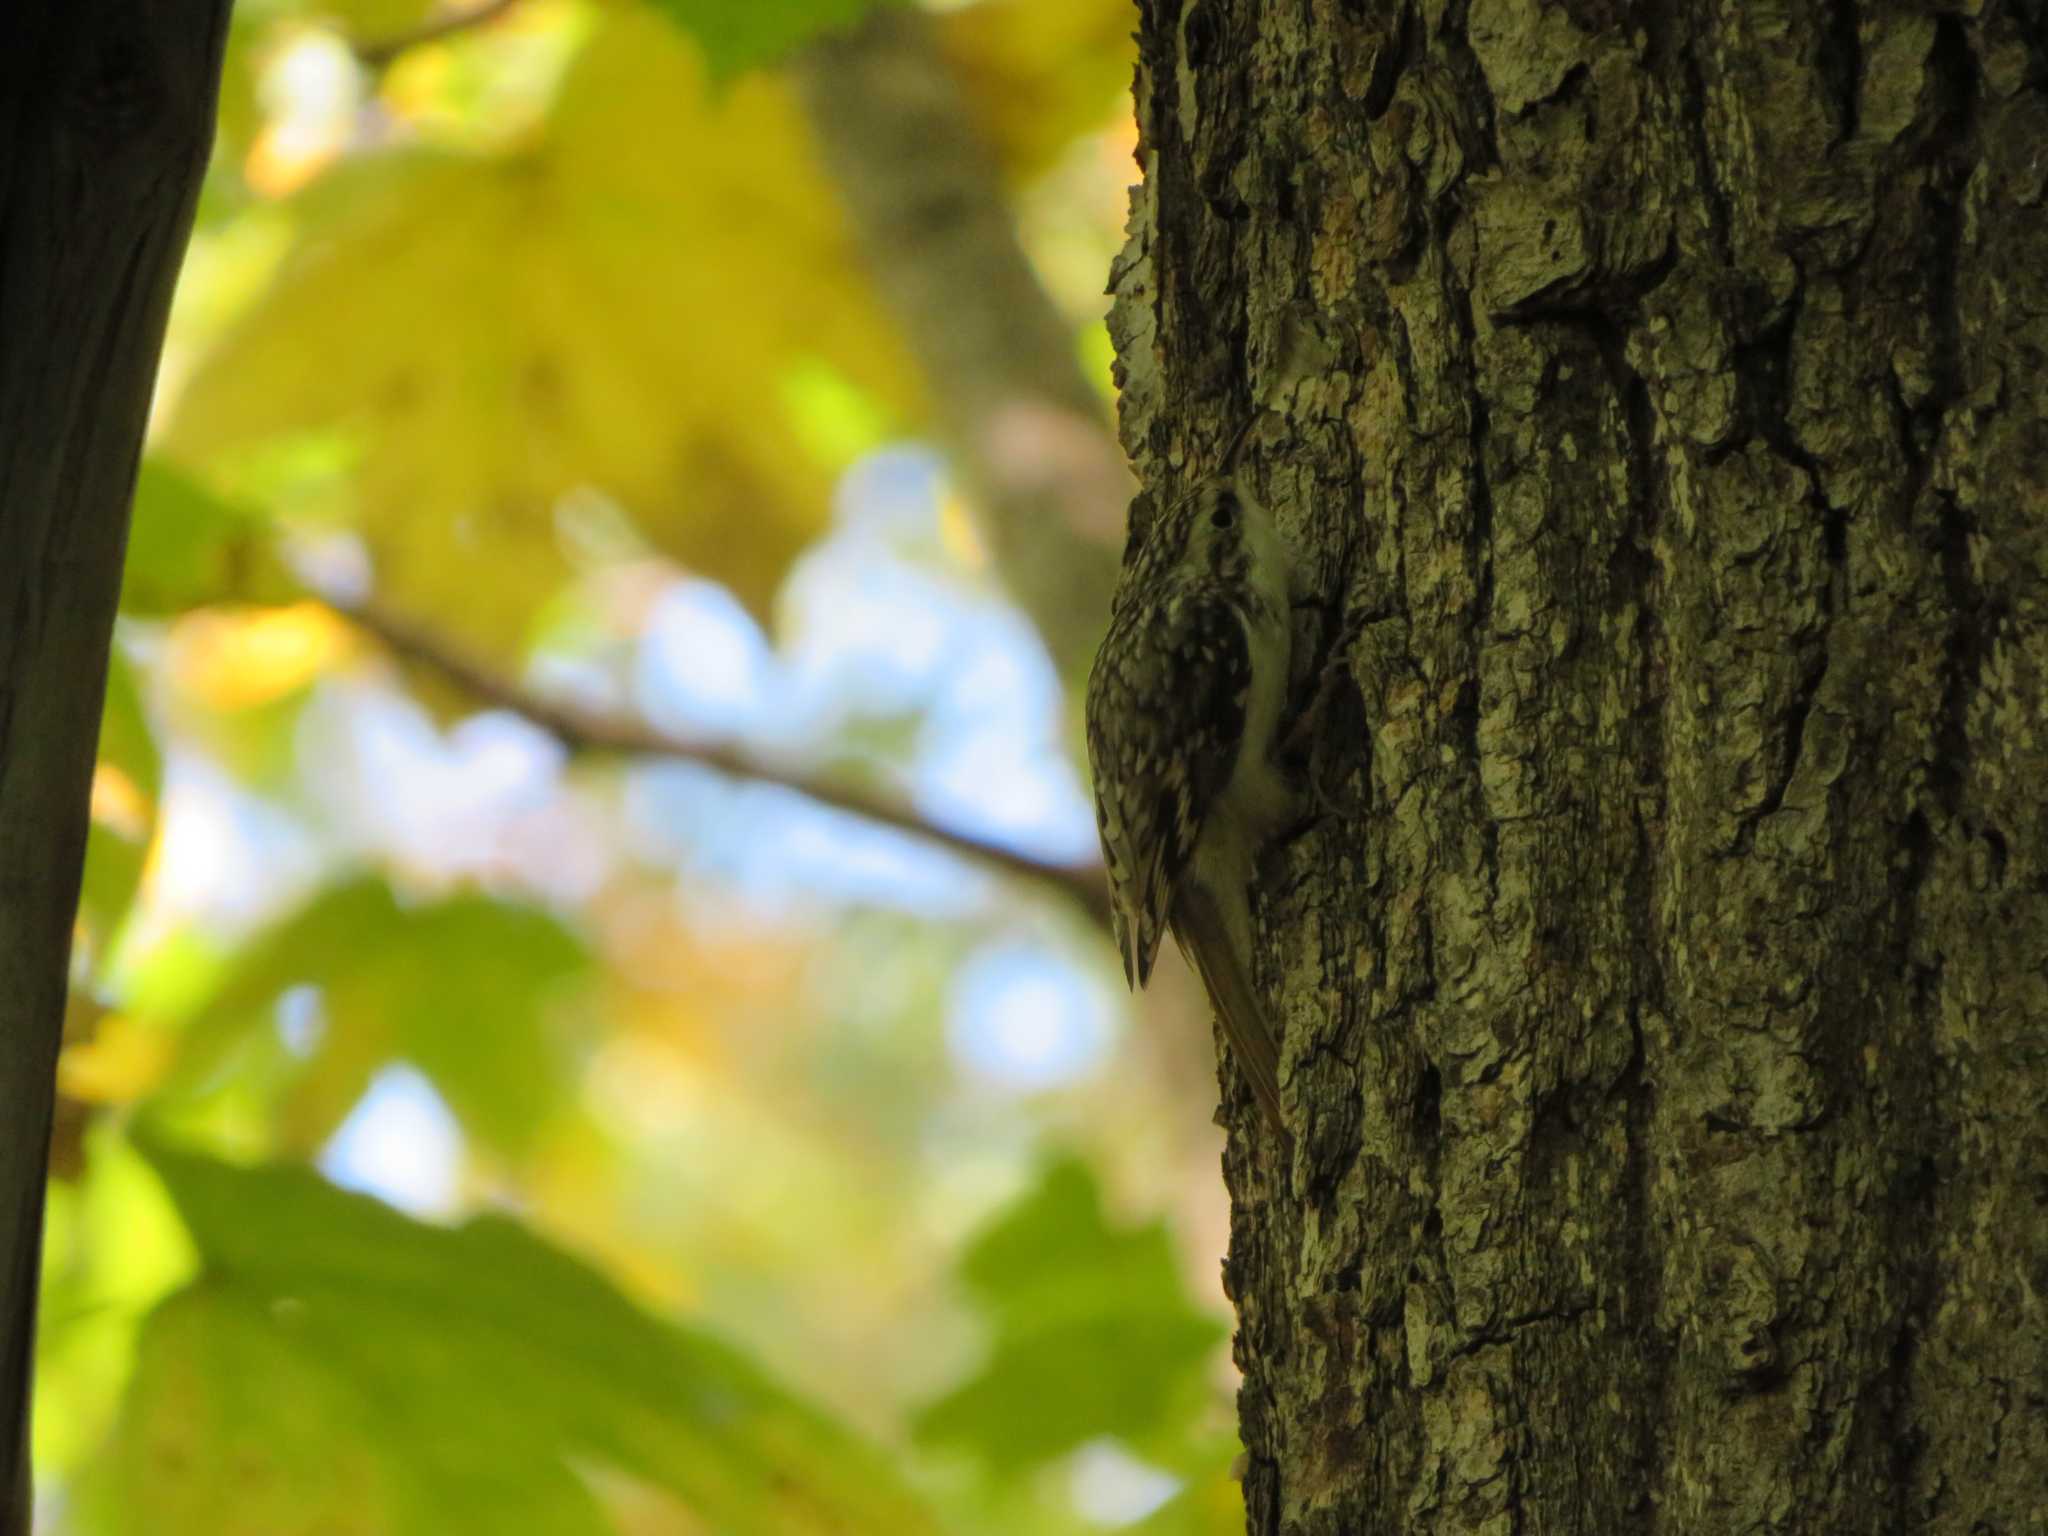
{"points": [[1184, 712]]}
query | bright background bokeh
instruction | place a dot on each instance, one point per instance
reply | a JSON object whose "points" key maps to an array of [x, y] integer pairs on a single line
{"points": [[465, 1132]]}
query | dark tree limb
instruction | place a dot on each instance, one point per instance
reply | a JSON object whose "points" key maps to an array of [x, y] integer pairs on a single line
{"points": [[585, 730], [106, 118]]}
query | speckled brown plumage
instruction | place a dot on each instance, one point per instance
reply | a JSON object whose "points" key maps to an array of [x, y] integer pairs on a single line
{"points": [[1182, 705]]}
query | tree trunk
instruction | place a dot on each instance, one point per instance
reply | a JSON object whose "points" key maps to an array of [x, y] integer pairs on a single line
{"points": [[1660, 393], [106, 107]]}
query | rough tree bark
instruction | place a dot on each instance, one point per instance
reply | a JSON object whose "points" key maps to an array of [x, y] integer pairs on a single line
{"points": [[106, 114], [1660, 390]]}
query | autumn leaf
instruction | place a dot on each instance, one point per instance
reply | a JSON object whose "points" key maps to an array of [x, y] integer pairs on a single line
{"points": [[628, 305]]}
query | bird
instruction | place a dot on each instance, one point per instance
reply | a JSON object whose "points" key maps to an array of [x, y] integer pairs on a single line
{"points": [[1184, 707]]}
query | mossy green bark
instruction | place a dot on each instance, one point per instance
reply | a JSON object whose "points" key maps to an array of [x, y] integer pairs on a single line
{"points": [[1658, 396]]}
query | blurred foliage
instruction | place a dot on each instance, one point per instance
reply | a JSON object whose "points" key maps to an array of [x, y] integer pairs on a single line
{"points": [[1038, 73], [126, 785], [739, 37], [187, 546], [467, 989], [490, 332], [530, 329], [1066, 1294], [334, 1366]]}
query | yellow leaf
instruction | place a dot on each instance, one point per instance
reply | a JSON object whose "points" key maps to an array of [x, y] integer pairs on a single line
{"points": [[237, 659], [959, 535], [373, 20], [617, 306], [123, 1060], [1038, 73], [118, 803]]}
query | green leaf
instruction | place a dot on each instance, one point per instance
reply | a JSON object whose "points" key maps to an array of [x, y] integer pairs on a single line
{"points": [[113, 1248], [1094, 1332], [124, 819], [738, 35], [340, 1368], [468, 989], [126, 739], [186, 546]]}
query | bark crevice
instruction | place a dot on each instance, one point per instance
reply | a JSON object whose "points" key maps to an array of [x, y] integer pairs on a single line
{"points": [[1679, 1068]]}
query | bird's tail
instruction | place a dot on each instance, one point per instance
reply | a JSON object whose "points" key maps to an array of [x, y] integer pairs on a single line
{"points": [[1206, 938]]}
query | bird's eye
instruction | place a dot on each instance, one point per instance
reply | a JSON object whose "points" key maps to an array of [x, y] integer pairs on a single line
{"points": [[1224, 513]]}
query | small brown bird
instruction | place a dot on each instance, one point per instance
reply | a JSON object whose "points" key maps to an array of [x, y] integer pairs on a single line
{"points": [[1184, 708]]}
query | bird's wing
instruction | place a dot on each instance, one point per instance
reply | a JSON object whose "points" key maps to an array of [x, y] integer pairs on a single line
{"points": [[1166, 706]]}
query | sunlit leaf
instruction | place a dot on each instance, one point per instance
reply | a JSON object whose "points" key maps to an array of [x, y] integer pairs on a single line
{"points": [[238, 679], [619, 305], [247, 657], [120, 1062], [1094, 1333], [740, 34], [339, 1368], [469, 990], [113, 1247]]}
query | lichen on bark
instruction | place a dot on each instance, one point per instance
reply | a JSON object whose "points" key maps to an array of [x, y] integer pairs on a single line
{"points": [[1656, 397]]}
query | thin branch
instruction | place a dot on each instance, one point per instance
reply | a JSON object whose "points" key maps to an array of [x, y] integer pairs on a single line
{"points": [[380, 52], [1020, 421], [586, 730]]}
